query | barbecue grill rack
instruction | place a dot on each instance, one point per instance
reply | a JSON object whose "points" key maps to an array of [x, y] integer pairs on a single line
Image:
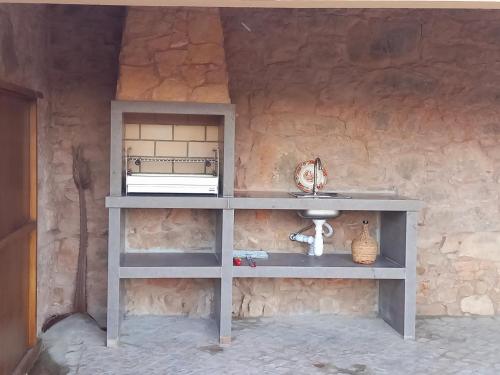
{"points": [[177, 183]]}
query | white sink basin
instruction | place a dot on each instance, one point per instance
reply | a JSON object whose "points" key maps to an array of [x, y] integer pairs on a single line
{"points": [[319, 214]]}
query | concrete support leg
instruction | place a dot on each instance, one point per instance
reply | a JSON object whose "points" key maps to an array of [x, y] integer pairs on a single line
{"points": [[224, 285], [397, 298], [114, 292]]}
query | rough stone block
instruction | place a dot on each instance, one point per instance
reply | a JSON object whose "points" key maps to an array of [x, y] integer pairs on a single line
{"points": [[204, 28], [171, 89], [206, 54], [210, 93], [477, 305], [136, 81]]}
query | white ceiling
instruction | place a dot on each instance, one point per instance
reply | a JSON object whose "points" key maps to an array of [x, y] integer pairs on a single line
{"points": [[450, 4]]}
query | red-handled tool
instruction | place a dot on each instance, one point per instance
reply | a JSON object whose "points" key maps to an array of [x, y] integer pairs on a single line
{"points": [[251, 262]]}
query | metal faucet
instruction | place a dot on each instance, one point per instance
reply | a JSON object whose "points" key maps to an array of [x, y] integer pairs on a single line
{"points": [[317, 166]]}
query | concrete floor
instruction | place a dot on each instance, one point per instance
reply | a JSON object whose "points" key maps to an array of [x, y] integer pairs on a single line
{"points": [[285, 345]]}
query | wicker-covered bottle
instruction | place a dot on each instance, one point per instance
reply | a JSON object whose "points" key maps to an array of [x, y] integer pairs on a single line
{"points": [[364, 248]]}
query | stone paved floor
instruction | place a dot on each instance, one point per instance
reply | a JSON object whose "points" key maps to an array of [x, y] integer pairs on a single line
{"points": [[290, 345]]}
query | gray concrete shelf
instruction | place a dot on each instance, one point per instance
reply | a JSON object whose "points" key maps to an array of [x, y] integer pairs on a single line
{"points": [[160, 108], [166, 201], [169, 265], [252, 200], [338, 266], [267, 200]]}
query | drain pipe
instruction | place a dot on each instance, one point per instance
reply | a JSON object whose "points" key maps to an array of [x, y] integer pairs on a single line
{"points": [[315, 242], [318, 237], [306, 239]]}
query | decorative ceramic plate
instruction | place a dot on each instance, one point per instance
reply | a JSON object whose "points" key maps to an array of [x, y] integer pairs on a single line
{"points": [[304, 176]]}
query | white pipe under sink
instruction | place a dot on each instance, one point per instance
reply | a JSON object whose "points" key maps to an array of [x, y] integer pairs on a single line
{"points": [[306, 239], [318, 237], [315, 242]]}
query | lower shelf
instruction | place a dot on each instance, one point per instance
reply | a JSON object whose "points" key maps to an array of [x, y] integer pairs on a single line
{"points": [[278, 265], [169, 265], [338, 266]]}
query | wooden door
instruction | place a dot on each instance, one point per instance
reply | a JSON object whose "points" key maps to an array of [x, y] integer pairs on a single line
{"points": [[17, 225]]}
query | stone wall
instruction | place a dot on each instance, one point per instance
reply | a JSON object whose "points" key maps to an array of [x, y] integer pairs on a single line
{"points": [[391, 100], [395, 100], [84, 47]]}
